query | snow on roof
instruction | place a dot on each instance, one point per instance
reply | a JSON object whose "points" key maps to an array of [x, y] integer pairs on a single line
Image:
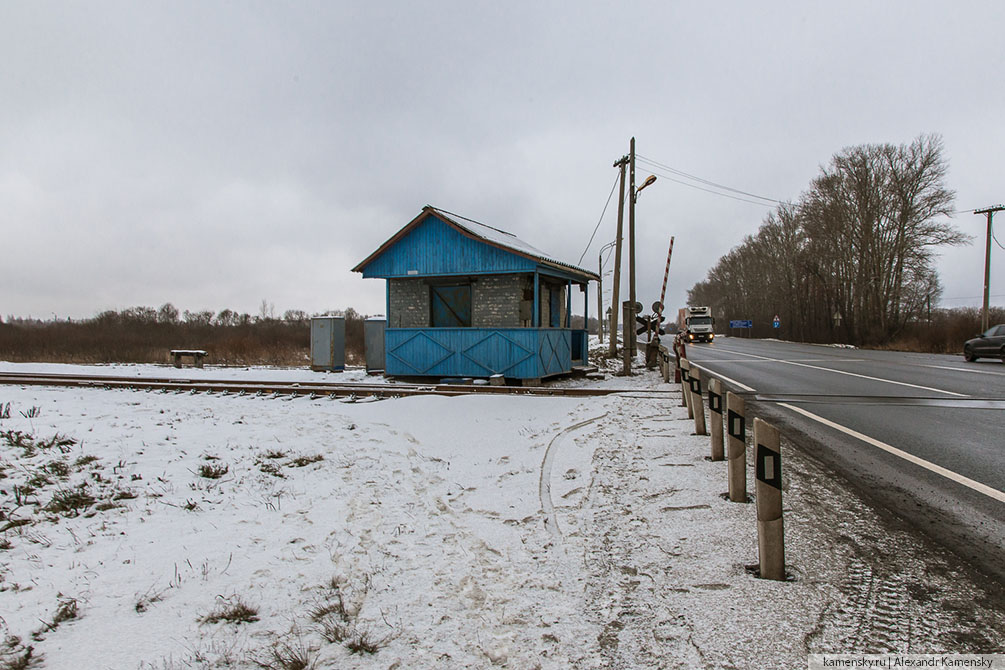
{"points": [[493, 236], [501, 238]]}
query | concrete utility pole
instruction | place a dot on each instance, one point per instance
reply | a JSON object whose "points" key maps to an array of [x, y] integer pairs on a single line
{"points": [[990, 211], [615, 294], [600, 297], [631, 245]]}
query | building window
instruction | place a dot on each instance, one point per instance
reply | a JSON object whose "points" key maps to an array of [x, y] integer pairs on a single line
{"points": [[450, 306]]}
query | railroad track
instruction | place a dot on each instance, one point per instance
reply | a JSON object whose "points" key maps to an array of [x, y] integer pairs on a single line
{"points": [[296, 389]]}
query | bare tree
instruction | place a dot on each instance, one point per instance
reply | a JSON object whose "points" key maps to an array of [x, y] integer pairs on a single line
{"points": [[854, 257], [167, 313]]}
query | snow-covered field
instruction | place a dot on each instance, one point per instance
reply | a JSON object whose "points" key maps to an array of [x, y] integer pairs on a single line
{"points": [[150, 530]]}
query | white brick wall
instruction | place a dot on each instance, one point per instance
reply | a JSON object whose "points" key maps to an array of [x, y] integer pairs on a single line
{"points": [[496, 302], [409, 304]]}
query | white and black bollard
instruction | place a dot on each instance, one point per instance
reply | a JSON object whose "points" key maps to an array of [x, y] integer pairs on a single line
{"points": [[736, 429], [770, 529], [715, 417], [696, 402]]}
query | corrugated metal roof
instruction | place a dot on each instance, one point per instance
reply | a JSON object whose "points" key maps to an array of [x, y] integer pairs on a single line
{"points": [[479, 231], [501, 238]]}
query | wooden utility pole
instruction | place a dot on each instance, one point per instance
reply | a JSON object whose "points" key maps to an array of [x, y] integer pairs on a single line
{"points": [[631, 245], [615, 297], [990, 211]]}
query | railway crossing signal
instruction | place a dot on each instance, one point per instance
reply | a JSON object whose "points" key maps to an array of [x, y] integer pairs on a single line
{"points": [[649, 324]]}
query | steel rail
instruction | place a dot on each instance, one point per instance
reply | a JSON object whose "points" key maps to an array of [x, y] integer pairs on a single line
{"points": [[305, 388]]}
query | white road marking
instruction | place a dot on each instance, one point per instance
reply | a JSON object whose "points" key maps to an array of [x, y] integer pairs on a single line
{"points": [[724, 378], [852, 374], [911, 458], [799, 360], [976, 372]]}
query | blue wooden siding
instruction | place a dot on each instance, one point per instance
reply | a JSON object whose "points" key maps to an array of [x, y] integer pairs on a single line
{"points": [[518, 353], [434, 248]]}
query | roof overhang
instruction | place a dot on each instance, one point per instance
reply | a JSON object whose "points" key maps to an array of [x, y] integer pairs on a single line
{"points": [[566, 269]]}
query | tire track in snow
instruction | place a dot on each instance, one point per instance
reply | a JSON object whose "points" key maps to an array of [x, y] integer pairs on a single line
{"points": [[544, 484]]}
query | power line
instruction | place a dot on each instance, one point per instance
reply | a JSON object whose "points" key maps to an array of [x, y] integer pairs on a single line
{"points": [[975, 297], [708, 190], [597, 227], [680, 173], [707, 182]]}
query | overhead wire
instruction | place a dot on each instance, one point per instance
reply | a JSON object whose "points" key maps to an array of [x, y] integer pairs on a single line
{"points": [[702, 180], [597, 227], [652, 164], [975, 297], [661, 169], [708, 190]]}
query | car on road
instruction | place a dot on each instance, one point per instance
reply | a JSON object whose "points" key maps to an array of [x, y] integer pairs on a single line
{"points": [[990, 344]]}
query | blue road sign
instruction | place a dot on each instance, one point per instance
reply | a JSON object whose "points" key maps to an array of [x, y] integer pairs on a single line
{"points": [[741, 324]]}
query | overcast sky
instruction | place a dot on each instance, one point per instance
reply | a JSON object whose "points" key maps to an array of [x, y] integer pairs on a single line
{"points": [[218, 154]]}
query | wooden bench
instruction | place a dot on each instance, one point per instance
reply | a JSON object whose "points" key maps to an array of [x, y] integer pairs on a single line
{"points": [[196, 354]]}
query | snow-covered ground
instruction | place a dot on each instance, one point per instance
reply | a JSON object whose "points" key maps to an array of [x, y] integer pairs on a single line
{"points": [[153, 530]]}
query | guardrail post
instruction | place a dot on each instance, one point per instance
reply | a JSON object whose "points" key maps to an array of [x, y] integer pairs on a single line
{"points": [[736, 428], [697, 403], [770, 530], [715, 417], [685, 387], [679, 354]]}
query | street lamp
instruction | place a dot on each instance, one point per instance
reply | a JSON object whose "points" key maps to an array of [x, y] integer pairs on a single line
{"points": [[648, 182], [600, 290]]}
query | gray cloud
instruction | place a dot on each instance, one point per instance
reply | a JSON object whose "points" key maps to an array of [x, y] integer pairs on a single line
{"points": [[214, 154]]}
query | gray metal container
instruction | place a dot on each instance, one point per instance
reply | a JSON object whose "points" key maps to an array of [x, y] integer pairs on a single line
{"points": [[328, 343], [373, 343]]}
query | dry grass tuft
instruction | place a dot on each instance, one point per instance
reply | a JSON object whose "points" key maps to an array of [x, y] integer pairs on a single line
{"points": [[71, 501], [301, 461], [291, 653], [338, 620], [231, 610], [213, 471], [16, 656]]}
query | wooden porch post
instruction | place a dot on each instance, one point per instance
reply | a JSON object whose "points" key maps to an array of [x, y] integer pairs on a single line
{"points": [[568, 303], [537, 300]]}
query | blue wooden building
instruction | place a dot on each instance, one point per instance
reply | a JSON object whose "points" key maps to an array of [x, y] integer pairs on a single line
{"points": [[468, 300]]}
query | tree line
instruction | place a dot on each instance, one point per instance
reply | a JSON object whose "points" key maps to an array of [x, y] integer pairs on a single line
{"points": [[853, 259], [146, 335]]}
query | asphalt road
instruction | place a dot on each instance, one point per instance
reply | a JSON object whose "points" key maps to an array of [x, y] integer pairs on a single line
{"points": [[922, 435]]}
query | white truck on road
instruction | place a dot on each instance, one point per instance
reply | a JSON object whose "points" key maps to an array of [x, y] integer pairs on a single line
{"points": [[698, 324]]}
